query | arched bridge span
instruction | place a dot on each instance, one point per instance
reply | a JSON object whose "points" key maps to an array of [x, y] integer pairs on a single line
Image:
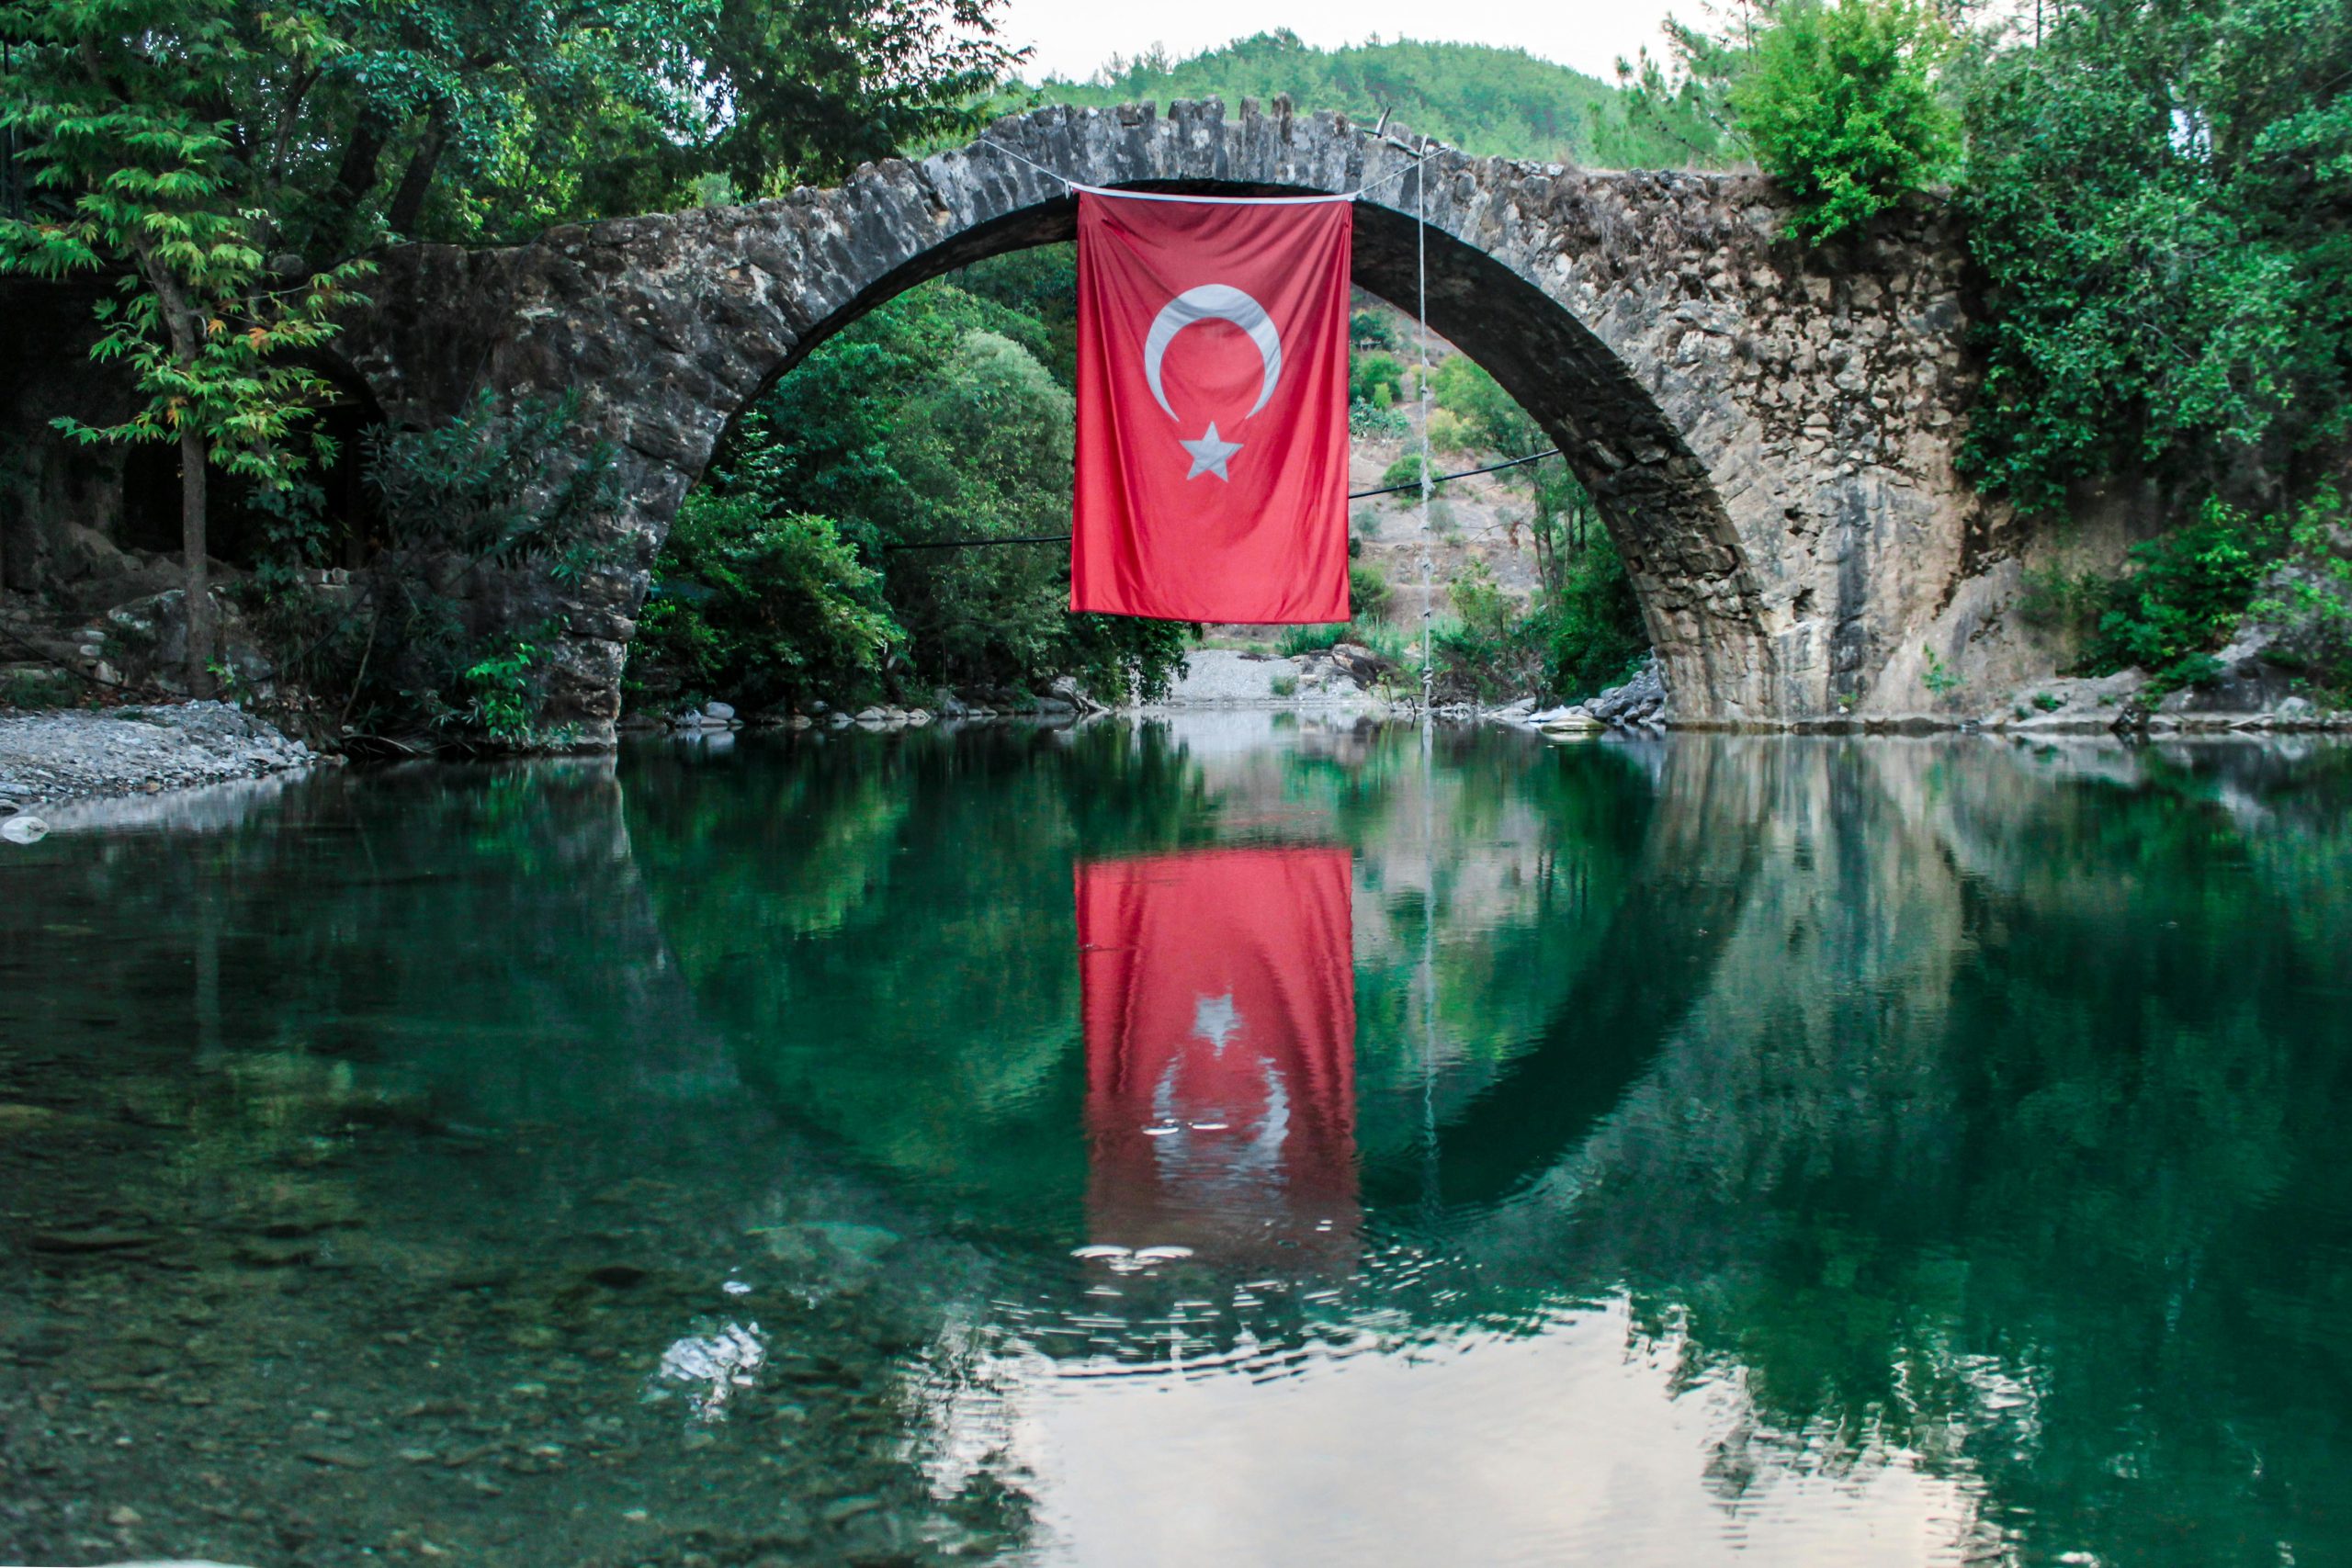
{"points": [[1769, 433]]}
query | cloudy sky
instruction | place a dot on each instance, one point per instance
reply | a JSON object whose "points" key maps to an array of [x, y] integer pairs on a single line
{"points": [[1073, 38]]}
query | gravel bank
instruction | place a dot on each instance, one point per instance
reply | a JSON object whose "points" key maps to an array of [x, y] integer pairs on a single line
{"points": [[67, 753], [1216, 677]]}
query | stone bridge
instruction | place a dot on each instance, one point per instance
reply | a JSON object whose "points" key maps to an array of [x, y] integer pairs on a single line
{"points": [[1768, 433]]}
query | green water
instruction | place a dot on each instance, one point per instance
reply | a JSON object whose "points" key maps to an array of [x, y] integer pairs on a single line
{"points": [[1236, 1142]]}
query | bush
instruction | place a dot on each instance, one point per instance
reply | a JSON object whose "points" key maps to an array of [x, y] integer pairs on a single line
{"points": [[1581, 634], [494, 506], [2183, 599], [757, 607], [1488, 418], [1375, 379], [1449, 432], [1296, 640], [1368, 592], [1840, 106], [1405, 471], [1371, 329], [2190, 590]]}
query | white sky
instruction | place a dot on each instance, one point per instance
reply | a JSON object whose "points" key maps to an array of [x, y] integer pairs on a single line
{"points": [[1073, 38]]}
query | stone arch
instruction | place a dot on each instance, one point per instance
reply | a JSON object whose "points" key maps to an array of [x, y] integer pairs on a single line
{"points": [[1729, 410]]}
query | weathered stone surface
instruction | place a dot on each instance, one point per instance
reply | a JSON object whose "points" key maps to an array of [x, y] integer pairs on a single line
{"points": [[1769, 432]]}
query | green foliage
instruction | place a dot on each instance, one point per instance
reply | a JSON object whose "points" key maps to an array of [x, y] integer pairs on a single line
{"points": [[1296, 640], [1591, 626], [502, 504], [1582, 632], [1840, 103], [114, 102], [936, 417], [1375, 379], [1493, 421], [502, 703], [1484, 100], [2158, 198], [1940, 679], [757, 607], [1685, 100], [2065, 605], [2190, 591], [1405, 471], [338, 123], [1484, 608], [1371, 329], [2183, 599], [2309, 598], [1368, 592]]}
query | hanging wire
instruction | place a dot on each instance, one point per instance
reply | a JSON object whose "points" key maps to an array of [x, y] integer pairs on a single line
{"points": [[1421, 313]]}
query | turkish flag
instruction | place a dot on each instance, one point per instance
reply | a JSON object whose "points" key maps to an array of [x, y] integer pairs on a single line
{"points": [[1219, 992], [1212, 407]]}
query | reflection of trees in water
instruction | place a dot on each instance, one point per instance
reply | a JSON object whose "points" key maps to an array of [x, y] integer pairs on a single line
{"points": [[1973, 1105], [2005, 1133], [930, 1018]]}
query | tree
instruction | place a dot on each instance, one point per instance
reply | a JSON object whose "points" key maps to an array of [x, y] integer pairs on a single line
{"points": [[2160, 197], [112, 99], [1841, 105]]}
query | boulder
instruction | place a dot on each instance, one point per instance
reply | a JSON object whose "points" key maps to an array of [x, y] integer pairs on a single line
{"points": [[1641, 700], [1066, 688]]}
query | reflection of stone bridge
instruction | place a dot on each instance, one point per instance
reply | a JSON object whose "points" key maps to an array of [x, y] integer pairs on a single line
{"points": [[1769, 435]]}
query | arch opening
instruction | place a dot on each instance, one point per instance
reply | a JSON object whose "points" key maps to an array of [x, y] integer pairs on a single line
{"points": [[1653, 494]]}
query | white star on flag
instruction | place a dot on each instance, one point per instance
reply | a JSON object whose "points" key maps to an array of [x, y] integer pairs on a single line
{"points": [[1209, 454], [1216, 1020]]}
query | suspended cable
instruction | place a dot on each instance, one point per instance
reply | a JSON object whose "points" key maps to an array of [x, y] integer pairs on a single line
{"points": [[1422, 314]]}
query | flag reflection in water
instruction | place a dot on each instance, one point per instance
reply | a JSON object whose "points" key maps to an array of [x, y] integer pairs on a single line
{"points": [[1220, 1052]]}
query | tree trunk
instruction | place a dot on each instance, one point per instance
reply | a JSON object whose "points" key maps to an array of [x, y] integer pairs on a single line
{"points": [[198, 574], [408, 199]]}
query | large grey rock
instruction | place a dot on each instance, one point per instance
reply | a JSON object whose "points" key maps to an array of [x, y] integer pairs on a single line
{"points": [[1769, 431], [1641, 700]]}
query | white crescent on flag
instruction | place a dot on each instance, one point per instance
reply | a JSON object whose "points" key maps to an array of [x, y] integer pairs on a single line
{"points": [[1213, 302]]}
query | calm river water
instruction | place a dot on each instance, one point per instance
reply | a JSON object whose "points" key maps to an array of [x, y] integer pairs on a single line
{"points": [[1235, 1142]]}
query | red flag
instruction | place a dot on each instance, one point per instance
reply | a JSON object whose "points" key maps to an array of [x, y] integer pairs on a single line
{"points": [[1220, 1051], [1212, 408]]}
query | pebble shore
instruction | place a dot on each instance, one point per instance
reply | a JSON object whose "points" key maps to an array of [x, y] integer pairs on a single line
{"points": [[63, 754]]}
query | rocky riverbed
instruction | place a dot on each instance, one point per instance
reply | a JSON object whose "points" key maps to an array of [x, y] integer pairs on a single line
{"points": [[63, 754]]}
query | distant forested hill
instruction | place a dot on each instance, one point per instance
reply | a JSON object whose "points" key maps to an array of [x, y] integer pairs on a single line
{"points": [[1484, 100]]}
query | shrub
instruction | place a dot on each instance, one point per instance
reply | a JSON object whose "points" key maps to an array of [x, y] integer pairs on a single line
{"points": [[1375, 379], [1450, 432], [2184, 598], [1296, 640], [496, 506], [1405, 471], [1368, 592], [1840, 106], [1371, 329], [757, 606]]}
